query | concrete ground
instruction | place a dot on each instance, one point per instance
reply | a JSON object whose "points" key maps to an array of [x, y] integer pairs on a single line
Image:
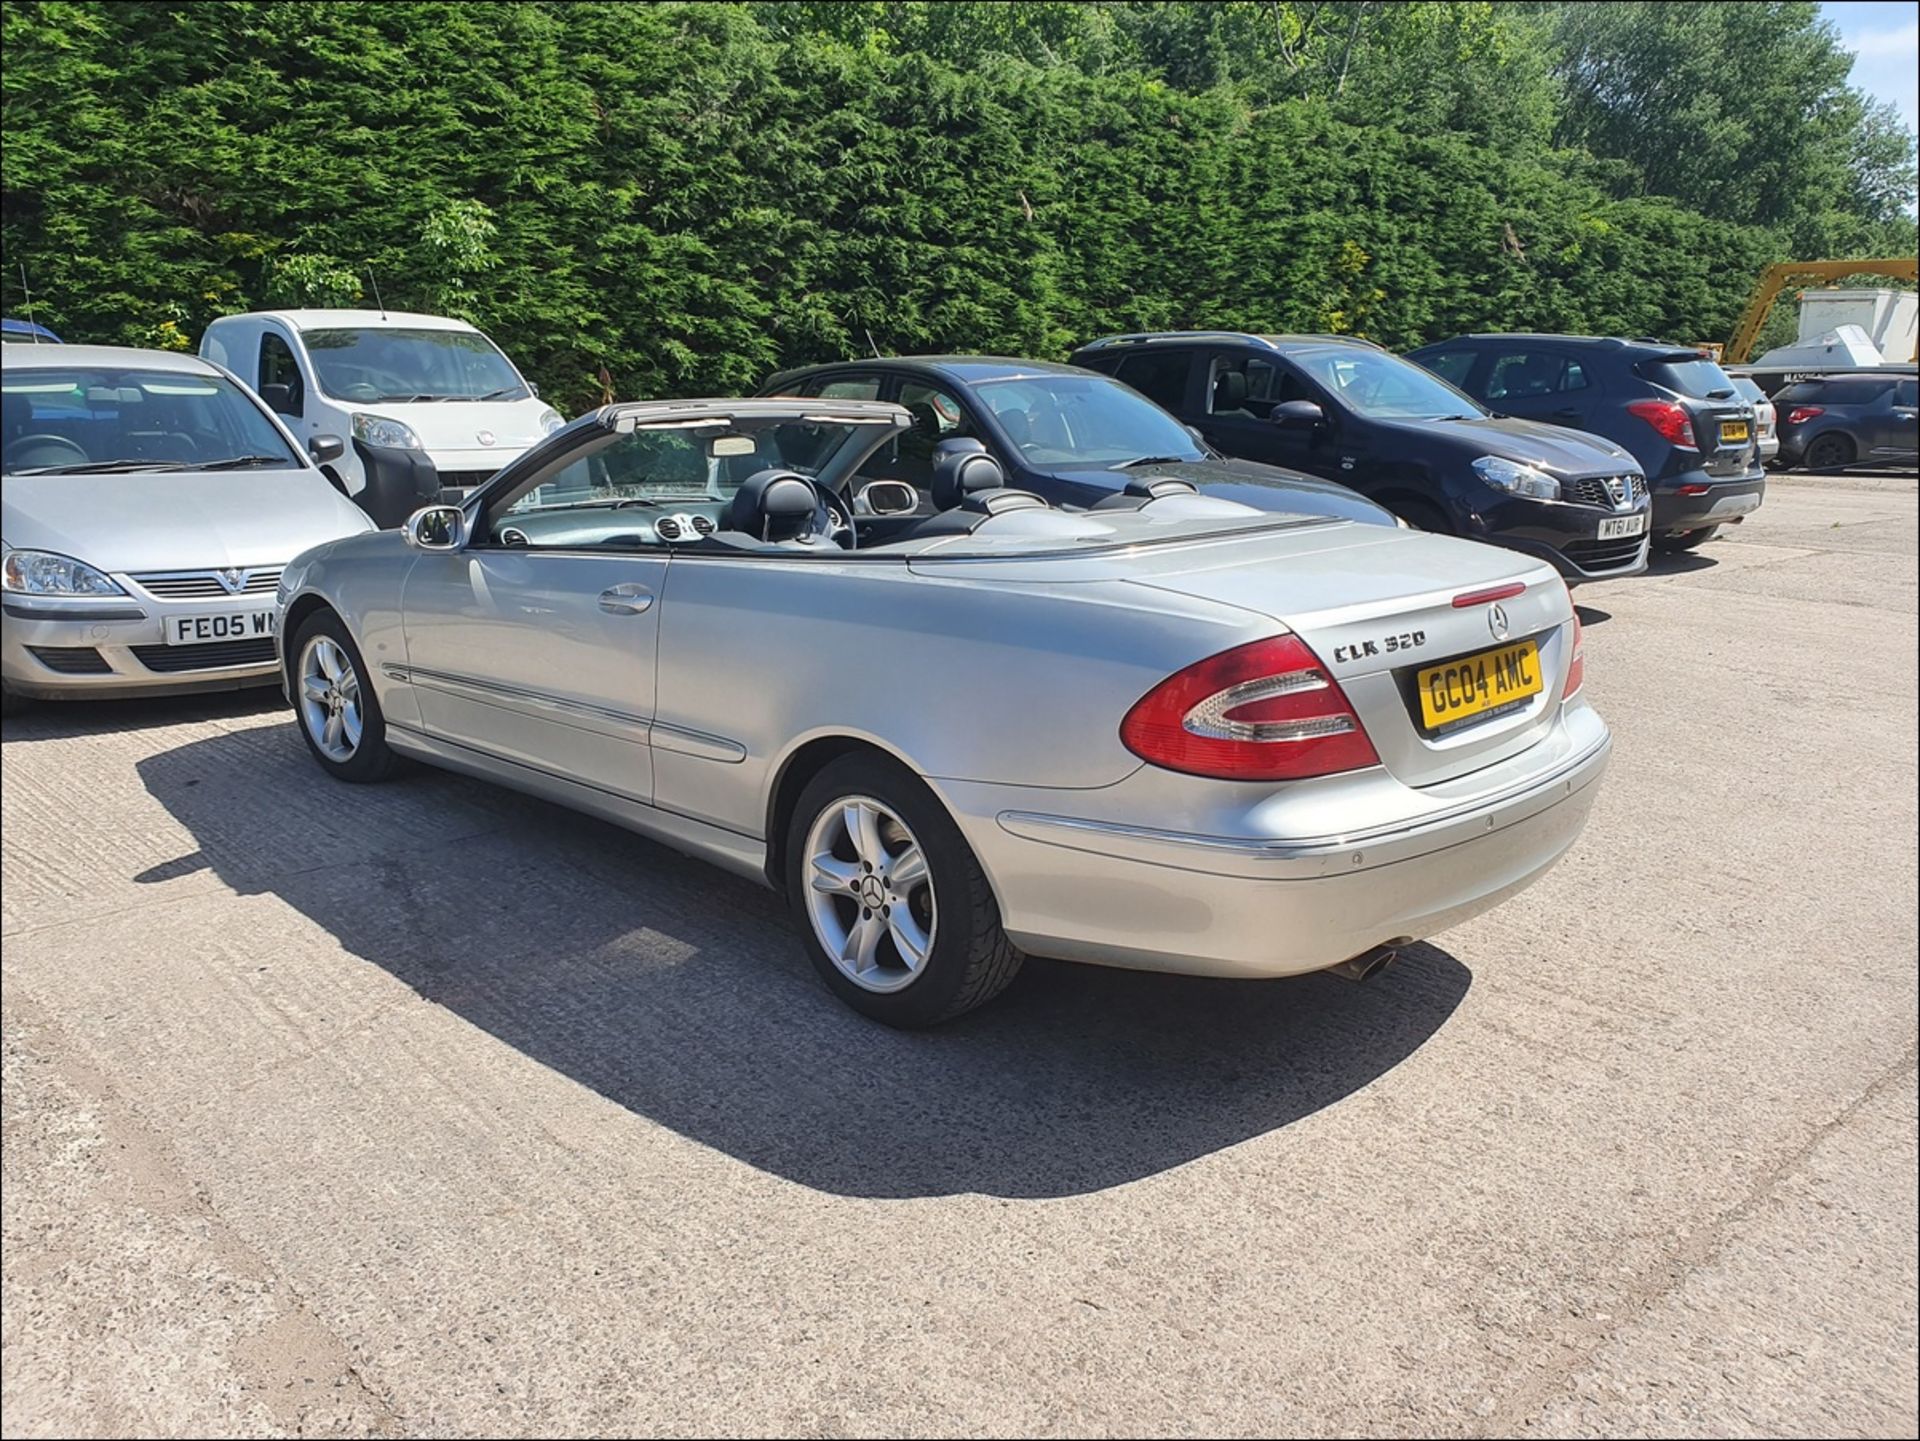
{"points": [[430, 1109]]}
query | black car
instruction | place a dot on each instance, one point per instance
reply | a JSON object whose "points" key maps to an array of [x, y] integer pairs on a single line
{"points": [[1691, 431], [1070, 436], [1347, 410], [1830, 421]]}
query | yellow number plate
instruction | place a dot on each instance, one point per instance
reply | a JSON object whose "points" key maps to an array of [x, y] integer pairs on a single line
{"points": [[1475, 684], [1733, 432]]}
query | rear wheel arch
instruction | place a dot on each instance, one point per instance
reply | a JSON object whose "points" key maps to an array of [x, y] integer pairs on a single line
{"points": [[801, 766]]}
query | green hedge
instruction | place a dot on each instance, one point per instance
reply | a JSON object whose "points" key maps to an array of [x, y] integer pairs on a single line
{"points": [[679, 199]]}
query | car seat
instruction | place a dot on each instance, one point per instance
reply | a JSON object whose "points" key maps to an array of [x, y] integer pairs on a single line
{"points": [[1230, 394], [773, 505], [969, 488]]}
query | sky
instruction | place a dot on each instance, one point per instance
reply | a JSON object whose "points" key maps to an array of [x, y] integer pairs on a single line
{"points": [[1885, 38]]}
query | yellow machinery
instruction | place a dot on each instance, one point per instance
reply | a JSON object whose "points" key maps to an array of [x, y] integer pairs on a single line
{"points": [[1776, 278]]}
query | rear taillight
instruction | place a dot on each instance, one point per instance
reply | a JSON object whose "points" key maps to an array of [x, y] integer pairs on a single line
{"points": [[1669, 419], [1577, 667], [1266, 711], [1801, 414]]}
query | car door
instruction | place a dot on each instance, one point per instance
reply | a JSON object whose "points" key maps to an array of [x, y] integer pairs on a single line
{"points": [[939, 414], [543, 653], [1240, 391], [1896, 432]]}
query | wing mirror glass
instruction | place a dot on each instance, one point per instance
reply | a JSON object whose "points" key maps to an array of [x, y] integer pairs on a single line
{"points": [[886, 497], [1298, 415], [436, 527], [324, 448]]}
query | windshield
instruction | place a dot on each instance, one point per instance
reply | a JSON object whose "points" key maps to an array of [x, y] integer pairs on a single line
{"points": [[388, 364], [1066, 420], [89, 419], [656, 467], [1747, 388], [1379, 386]]}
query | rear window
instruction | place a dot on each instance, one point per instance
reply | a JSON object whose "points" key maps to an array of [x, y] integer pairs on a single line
{"points": [[1694, 376], [1748, 388]]}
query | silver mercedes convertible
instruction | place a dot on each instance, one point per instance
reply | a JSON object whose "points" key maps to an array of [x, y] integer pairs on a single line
{"points": [[959, 727]]}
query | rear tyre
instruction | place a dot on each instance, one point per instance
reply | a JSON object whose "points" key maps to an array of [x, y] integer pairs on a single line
{"points": [[1831, 452], [334, 706], [892, 906], [1668, 544]]}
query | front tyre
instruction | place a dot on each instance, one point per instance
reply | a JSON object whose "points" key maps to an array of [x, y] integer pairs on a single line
{"points": [[895, 912], [337, 711]]}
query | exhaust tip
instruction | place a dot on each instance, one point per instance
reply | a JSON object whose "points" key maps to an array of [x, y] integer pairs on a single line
{"points": [[1366, 964]]}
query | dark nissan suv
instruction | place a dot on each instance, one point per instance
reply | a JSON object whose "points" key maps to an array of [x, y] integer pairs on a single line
{"points": [[1345, 409], [1678, 412]]}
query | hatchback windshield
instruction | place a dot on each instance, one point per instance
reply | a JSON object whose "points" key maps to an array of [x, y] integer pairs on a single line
{"points": [[1065, 420], [93, 419], [1385, 387], [385, 363]]}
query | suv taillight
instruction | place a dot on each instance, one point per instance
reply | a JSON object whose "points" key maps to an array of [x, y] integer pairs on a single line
{"points": [[1667, 418], [1801, 414], [1265, 711]]}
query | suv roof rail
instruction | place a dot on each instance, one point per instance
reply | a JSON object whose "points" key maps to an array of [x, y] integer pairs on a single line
{"points": [[1268, 342]]}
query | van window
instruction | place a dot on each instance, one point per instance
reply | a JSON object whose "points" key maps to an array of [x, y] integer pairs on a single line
{"points": [[278, 367]]}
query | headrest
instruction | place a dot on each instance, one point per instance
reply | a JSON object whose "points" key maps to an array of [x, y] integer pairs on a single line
{"points": [[961, 466], [773, 505], [1229, 390], [926, 420]]}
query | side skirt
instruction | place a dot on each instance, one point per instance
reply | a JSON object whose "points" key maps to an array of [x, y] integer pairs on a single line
{"points": [[743, 855]]}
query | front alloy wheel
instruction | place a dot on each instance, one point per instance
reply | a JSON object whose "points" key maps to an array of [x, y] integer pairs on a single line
{"points": [[330, 699]]}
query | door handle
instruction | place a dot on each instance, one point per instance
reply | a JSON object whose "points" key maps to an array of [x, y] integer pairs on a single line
{"points": [[628, 599], [1567, 414]]}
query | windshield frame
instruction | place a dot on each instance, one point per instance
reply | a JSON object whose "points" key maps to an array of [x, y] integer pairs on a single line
{"points": [[412, 332], [30, 380]]}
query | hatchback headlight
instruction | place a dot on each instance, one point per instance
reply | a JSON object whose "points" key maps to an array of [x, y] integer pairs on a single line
{"points": [[378, 430], [550, 421], [41, 572], [1515, 478]]}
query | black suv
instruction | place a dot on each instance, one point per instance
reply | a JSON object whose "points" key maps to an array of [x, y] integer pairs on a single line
{"points": [[1345, 409], [1830, 421], [1678, 412]]}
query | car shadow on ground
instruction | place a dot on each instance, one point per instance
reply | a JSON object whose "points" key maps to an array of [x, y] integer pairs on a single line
{"points": [[1679, 562], [1591, 615], [61, 719], [680, 993]]}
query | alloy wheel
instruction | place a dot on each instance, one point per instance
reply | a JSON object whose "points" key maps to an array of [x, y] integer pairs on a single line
{"points": [[869, 894], [329, 695]]}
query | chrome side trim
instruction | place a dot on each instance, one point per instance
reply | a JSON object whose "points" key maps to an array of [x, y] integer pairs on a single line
{"points": [[1188, 850], [686, 742], [540, 703]]}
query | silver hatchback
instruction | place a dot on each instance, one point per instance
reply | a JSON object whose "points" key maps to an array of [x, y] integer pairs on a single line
{"points": [[151, 502]]}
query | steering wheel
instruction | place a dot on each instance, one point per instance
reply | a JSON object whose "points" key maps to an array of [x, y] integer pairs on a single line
{"points": [[832, 519], [46, 449]]}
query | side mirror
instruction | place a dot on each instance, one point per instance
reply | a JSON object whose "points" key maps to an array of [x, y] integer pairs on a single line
{"points": [[436, 527], [1198, 439], [279, 398], [886, 497], [324, 448], [1298, 415]]}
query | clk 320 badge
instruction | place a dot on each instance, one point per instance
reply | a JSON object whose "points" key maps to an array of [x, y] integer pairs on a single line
{"points": [[1386, 645]]}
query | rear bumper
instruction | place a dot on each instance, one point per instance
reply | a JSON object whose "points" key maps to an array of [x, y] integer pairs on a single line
{"points": [[1723, 502], [1255, 904]]}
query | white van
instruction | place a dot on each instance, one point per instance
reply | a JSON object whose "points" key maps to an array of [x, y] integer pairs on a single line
{"points": [[394, 386]]}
